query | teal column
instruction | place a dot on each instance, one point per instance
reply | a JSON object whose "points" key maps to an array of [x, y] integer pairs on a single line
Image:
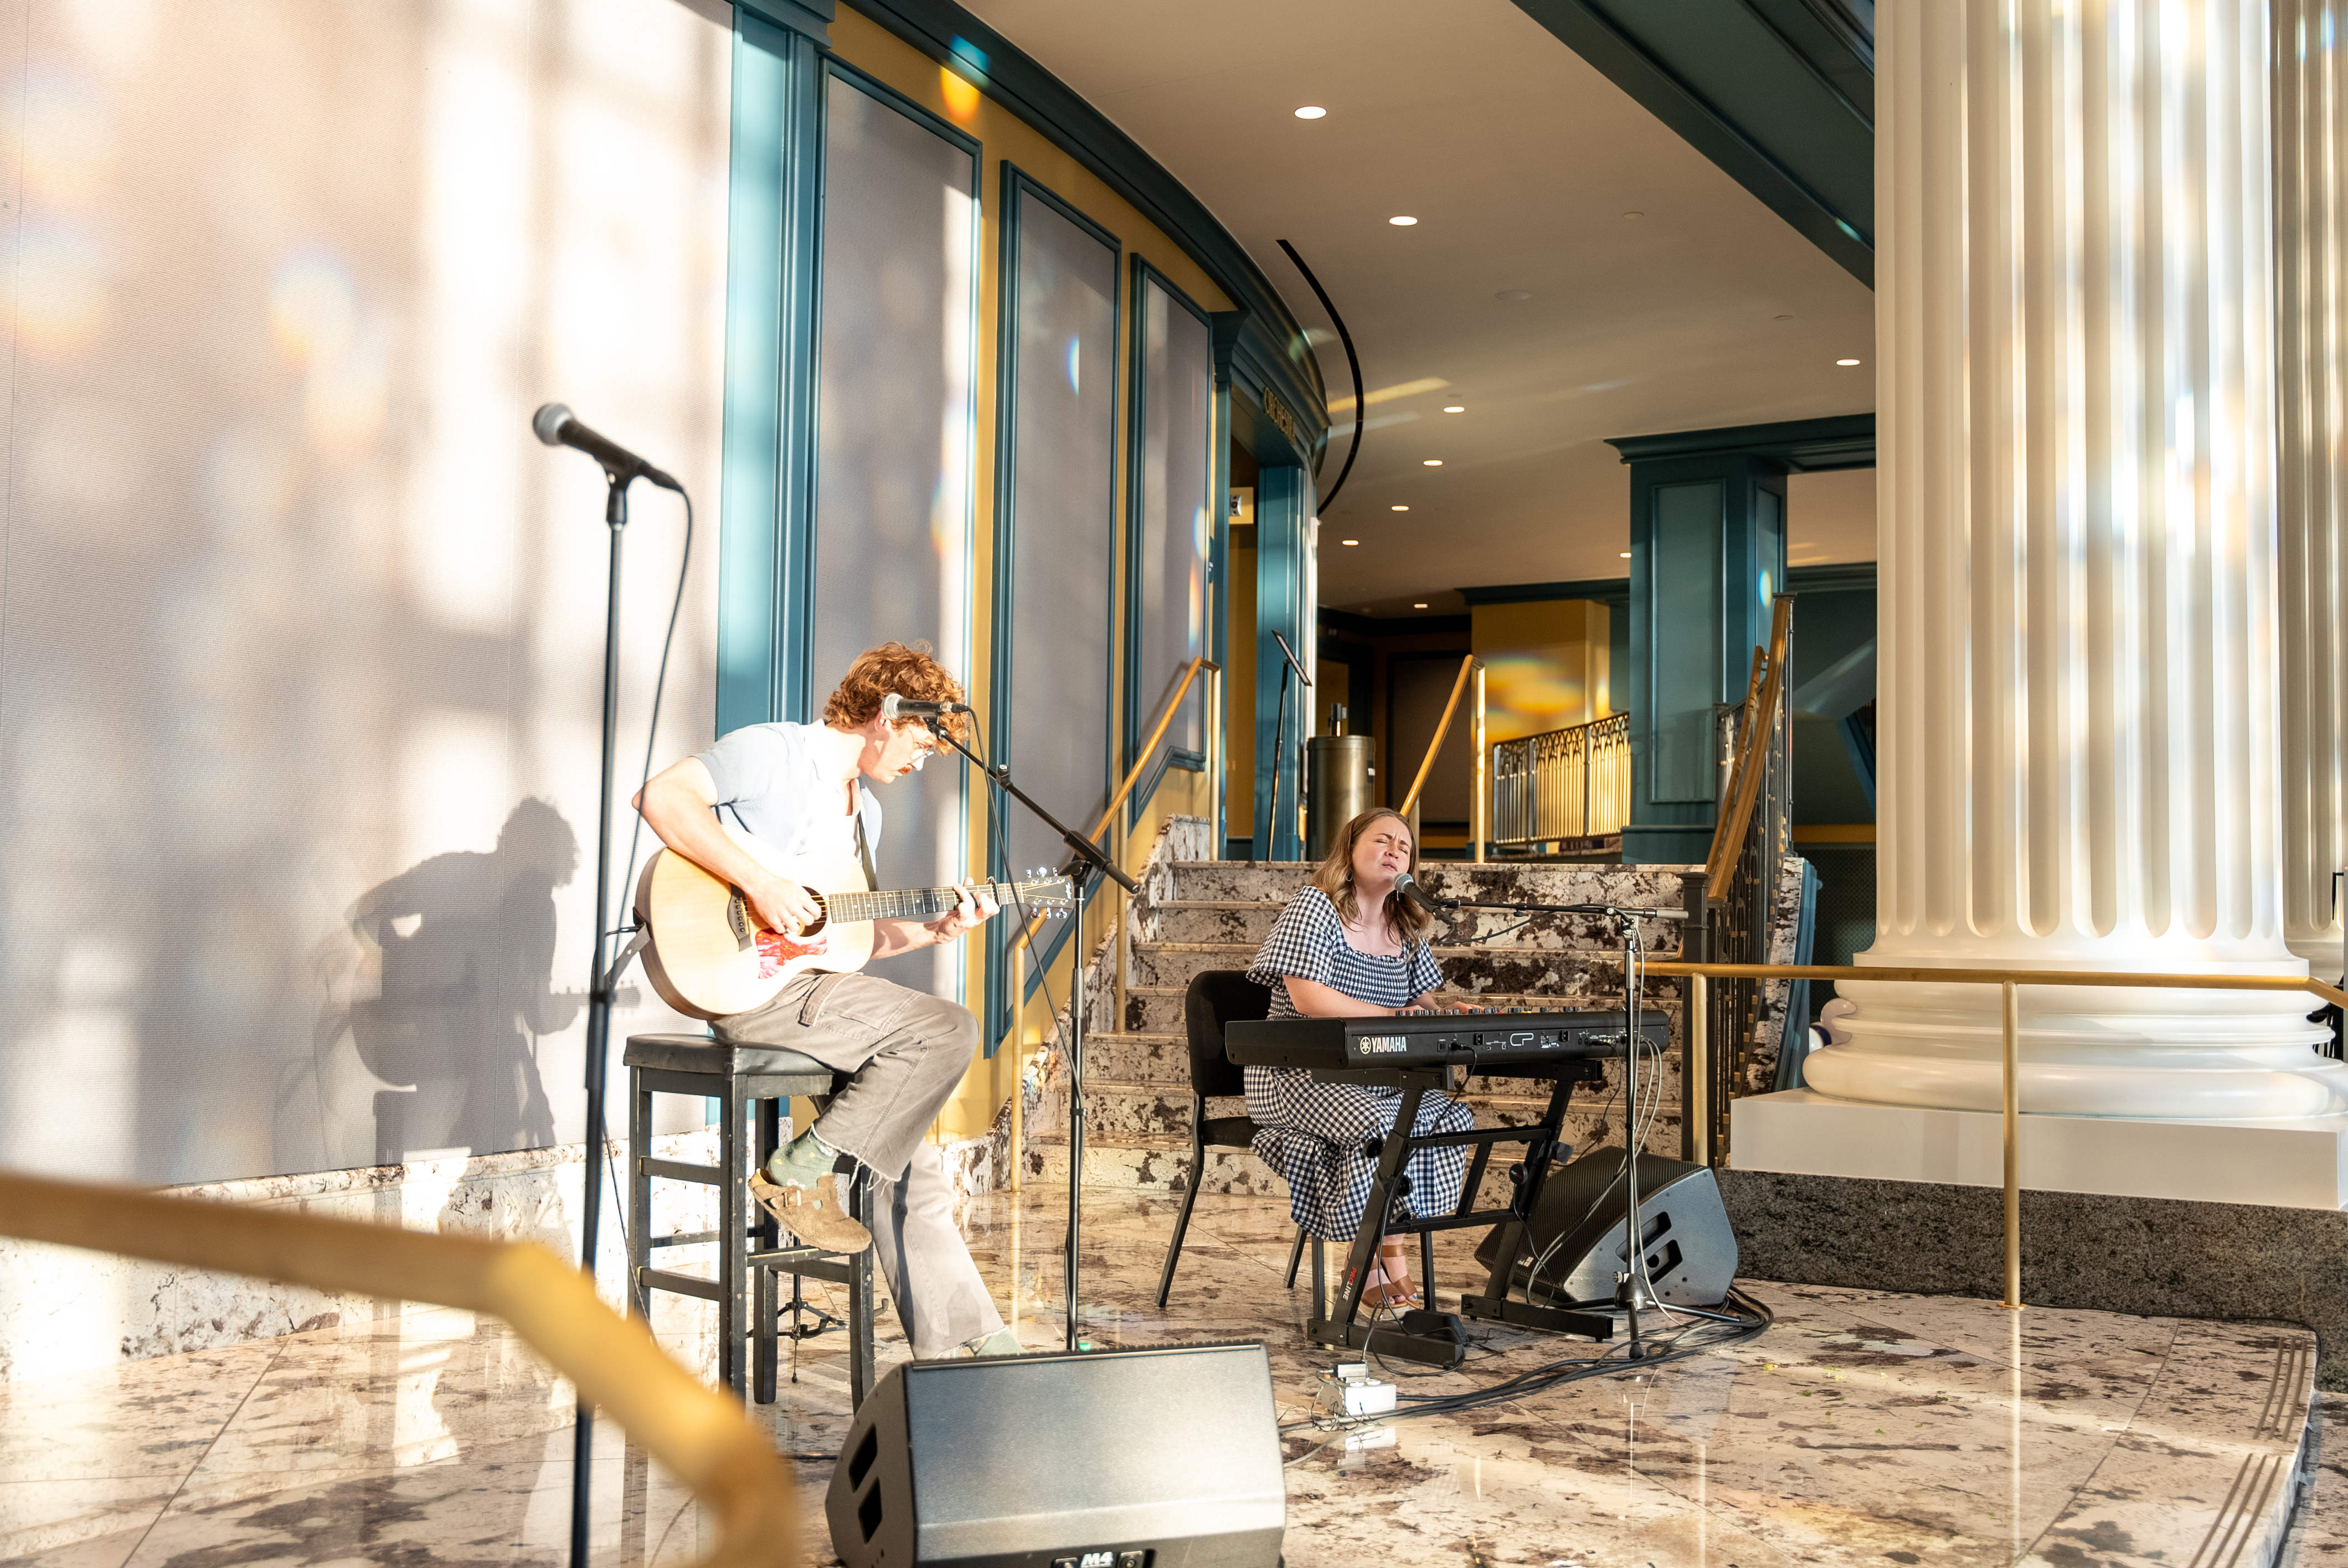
{"points": [[1280, 503], [1707, 555], [767, 504], [1707, 558]]}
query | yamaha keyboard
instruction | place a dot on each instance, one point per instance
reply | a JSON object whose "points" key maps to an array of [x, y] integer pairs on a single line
{"points": [[1490, 1040]]}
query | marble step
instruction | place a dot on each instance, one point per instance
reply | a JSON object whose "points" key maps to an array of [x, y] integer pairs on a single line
{"points": [[1572, 979], [1542, 883], [1251, 921]]}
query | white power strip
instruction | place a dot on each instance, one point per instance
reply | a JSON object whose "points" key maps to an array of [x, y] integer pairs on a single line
{"points": [[1348, 1390]]}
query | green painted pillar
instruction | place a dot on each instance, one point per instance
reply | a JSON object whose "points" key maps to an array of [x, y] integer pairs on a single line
{"points": [[1281, 502], [1707, 557]]}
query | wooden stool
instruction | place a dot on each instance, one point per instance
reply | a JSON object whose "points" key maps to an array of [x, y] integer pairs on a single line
{"points": [[750, 1252]]}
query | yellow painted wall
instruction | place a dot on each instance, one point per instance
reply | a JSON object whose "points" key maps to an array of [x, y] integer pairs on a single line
{"points": [[1545, 665], [869, 47]]}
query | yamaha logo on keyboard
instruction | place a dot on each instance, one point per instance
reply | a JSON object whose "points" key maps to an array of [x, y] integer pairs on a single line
{"points": [[1381, 1044]]}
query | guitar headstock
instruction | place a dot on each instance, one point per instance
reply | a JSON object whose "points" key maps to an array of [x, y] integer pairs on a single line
{"points": [[1047, 892]]}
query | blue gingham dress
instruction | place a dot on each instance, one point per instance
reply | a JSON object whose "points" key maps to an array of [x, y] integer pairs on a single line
{"points": [[1313, 1134]]}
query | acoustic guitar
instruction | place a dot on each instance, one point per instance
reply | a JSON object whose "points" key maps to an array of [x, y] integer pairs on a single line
{"points": [[711, 956]]}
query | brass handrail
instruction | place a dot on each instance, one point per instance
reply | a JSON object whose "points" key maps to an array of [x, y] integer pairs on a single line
{"points": [[1133, 776], [2009, 981], [1427, 763], [1761, 718], [699, 1435]]}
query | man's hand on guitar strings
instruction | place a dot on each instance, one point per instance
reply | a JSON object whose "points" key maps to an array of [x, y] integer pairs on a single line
{"points": [[974, 910], [786, 906]]}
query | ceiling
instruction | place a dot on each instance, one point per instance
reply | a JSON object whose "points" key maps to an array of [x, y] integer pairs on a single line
{"points": [[1663, 296]]}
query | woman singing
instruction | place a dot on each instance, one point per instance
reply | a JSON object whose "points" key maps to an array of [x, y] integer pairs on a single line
{"points": [[1350, 945]]}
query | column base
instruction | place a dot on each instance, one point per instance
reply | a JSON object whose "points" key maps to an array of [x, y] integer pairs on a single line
{"points": [[2299, 1163]]}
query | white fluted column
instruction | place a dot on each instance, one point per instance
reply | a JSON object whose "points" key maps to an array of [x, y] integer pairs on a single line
{"points": [[2075, 423], [2311, 119]]}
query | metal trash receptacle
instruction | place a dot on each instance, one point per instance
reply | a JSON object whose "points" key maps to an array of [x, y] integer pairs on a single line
{"points": [[1338, 788]]}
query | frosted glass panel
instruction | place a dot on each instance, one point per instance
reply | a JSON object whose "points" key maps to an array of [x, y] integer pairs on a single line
{"points": [[1178, 369], [893, 477], [1061, 525]]}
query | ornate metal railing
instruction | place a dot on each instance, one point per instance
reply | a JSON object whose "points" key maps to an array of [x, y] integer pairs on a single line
{"points": [[1562, 785]]}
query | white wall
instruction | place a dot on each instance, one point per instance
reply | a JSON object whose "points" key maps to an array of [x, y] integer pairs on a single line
{"points": [[298, 621]]}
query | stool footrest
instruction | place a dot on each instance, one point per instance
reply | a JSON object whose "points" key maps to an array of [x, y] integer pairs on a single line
{"points": [[827, 1266], [679, 1284], [684, 1238], [680, 1171]]}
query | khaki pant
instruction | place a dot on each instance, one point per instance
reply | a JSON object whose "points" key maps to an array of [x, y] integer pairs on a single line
{"points": [[908, 1050]]}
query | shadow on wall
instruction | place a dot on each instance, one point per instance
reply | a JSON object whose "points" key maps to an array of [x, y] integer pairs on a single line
{"points": [[453, 988]]}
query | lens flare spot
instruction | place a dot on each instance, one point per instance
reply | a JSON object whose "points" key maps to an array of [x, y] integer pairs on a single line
{"points": [[313, 308], [961, 96], [61, 289], [60, 128]]}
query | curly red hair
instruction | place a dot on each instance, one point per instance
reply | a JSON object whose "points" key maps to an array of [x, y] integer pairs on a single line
{"points": [[909, 671]]}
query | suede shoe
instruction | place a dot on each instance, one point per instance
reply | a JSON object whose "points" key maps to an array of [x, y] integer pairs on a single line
{"points": [[814, 1214]]}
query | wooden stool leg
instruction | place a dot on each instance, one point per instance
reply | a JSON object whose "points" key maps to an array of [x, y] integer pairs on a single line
{"points": [[640, 1192], [859, 1297], [762, 1293], [733, 1238]]}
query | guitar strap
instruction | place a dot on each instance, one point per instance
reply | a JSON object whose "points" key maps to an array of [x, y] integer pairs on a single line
{"points": [[864, 850]]}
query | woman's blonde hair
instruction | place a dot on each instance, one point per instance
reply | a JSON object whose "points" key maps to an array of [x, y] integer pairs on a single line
{"points": [[1335, 877]]}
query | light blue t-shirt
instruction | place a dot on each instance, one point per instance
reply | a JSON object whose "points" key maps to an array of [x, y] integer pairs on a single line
{"points": [[770, 781]]}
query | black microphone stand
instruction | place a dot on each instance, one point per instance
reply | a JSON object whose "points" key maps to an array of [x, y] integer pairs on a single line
{"points": [[1635, 1288], [1088, 860], [599, 993]]}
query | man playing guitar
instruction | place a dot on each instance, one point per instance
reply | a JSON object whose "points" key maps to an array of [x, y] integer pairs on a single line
{"points": [[800, 789]]}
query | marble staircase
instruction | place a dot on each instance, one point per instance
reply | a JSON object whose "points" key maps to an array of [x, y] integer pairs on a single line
{"points": [[1137, 1092]]}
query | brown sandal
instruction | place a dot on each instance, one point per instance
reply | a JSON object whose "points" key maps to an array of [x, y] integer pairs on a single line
{"points": [[814, 1214]]}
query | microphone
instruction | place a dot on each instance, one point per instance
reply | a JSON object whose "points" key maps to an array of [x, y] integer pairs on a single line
{"points": [[894, 708], [556, 427], [1408, 886]]}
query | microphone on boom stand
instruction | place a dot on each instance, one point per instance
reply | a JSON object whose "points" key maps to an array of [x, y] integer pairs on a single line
{"points": [[1427, 903]]}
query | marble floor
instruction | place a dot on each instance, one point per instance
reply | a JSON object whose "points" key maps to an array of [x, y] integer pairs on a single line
{"points": [[1862, 1427]]}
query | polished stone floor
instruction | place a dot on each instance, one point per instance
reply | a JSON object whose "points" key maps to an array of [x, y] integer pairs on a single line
{"points": [[1863, 1428]]}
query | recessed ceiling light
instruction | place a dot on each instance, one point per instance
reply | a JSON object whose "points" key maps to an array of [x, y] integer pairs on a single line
{"points": [[1785, 317], [1625, 556], [1398, 508], [1456, 408], [1634, 215], [1310, 112], [1432, 463], [1420, 605], [1349, 541], [1513, 295], [1401, 223], [1846, 361]]}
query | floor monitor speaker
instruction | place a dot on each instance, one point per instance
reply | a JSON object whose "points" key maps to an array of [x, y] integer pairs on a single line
{"points": [[1575, 1244], [1117, 1459]]}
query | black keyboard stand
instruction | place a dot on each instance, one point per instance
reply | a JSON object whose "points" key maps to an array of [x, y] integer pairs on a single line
{"points": [[1342, 1328]]}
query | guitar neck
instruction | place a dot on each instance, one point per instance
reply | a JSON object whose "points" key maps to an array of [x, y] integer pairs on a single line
{"points": [[908, 903]]}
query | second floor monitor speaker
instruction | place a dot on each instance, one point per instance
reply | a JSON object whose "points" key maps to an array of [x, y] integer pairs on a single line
{"points": [[1575, 1243], [1119, 1459]]}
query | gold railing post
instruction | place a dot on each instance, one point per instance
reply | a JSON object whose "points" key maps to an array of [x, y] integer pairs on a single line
{"points": [[1483, 796], [2012, 1148], [1697, 1090]]}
